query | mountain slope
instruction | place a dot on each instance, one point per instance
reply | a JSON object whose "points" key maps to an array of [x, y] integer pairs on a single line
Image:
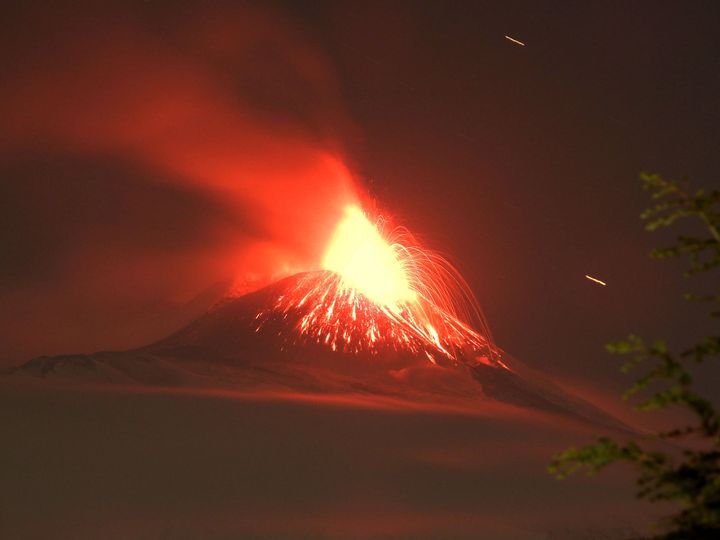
{"points": [[236, 346]]}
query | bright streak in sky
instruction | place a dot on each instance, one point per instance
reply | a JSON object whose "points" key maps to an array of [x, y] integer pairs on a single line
{"points": [[517, 42], [596, 280]]}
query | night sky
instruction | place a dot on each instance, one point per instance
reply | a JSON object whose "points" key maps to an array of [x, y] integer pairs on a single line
{"points": [[152, 153]]}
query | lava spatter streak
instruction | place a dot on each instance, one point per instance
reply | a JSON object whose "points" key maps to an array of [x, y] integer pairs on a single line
{"points": [[383, 292], [342, 318]]}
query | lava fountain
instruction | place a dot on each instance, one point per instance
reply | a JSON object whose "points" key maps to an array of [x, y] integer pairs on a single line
{"points": [[381, 290]]}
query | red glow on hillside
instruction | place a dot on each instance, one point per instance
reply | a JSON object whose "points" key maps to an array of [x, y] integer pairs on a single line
{"points": [[383, 291]]}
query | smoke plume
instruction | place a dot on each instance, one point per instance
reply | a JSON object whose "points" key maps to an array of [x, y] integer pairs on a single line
{"points": [[150, 156]]}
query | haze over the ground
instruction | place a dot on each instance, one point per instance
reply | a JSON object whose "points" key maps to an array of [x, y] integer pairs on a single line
{"points": [[116, 464]]}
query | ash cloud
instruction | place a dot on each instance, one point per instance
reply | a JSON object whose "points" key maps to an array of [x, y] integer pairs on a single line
{"points": [[150, 156]]}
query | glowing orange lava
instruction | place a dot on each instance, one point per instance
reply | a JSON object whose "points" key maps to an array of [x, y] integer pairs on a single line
{"points": [[367, 262], [380, 292]]}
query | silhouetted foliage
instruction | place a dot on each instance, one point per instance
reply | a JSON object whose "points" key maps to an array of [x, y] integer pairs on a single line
{"points": [[692, 476]]}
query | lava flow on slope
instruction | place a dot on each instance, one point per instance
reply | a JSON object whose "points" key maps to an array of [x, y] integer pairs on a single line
{"points": [[382, 291], [384, 318]]}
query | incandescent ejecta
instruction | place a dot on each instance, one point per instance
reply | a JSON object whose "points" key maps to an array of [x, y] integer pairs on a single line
{"points": [[381, 290]]}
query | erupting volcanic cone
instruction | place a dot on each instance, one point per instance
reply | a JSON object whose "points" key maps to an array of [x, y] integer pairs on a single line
{"points": [[232, 349], [325, 310], [384, 295], [342, 330]]}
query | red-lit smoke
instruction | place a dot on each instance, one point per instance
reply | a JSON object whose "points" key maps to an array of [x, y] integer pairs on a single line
{"points": [[149, 153]]}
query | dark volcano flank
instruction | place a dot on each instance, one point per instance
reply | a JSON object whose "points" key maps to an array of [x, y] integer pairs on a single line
{"points": [[227, 349]]}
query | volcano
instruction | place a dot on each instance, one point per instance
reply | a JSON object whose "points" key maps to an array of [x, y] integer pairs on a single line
{"points": [[385, 319], [366, 399], [257, 343]]}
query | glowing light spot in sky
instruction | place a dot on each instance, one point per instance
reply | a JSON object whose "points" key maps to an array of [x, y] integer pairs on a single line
{"points": [[517, 42], [596, 280]]}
